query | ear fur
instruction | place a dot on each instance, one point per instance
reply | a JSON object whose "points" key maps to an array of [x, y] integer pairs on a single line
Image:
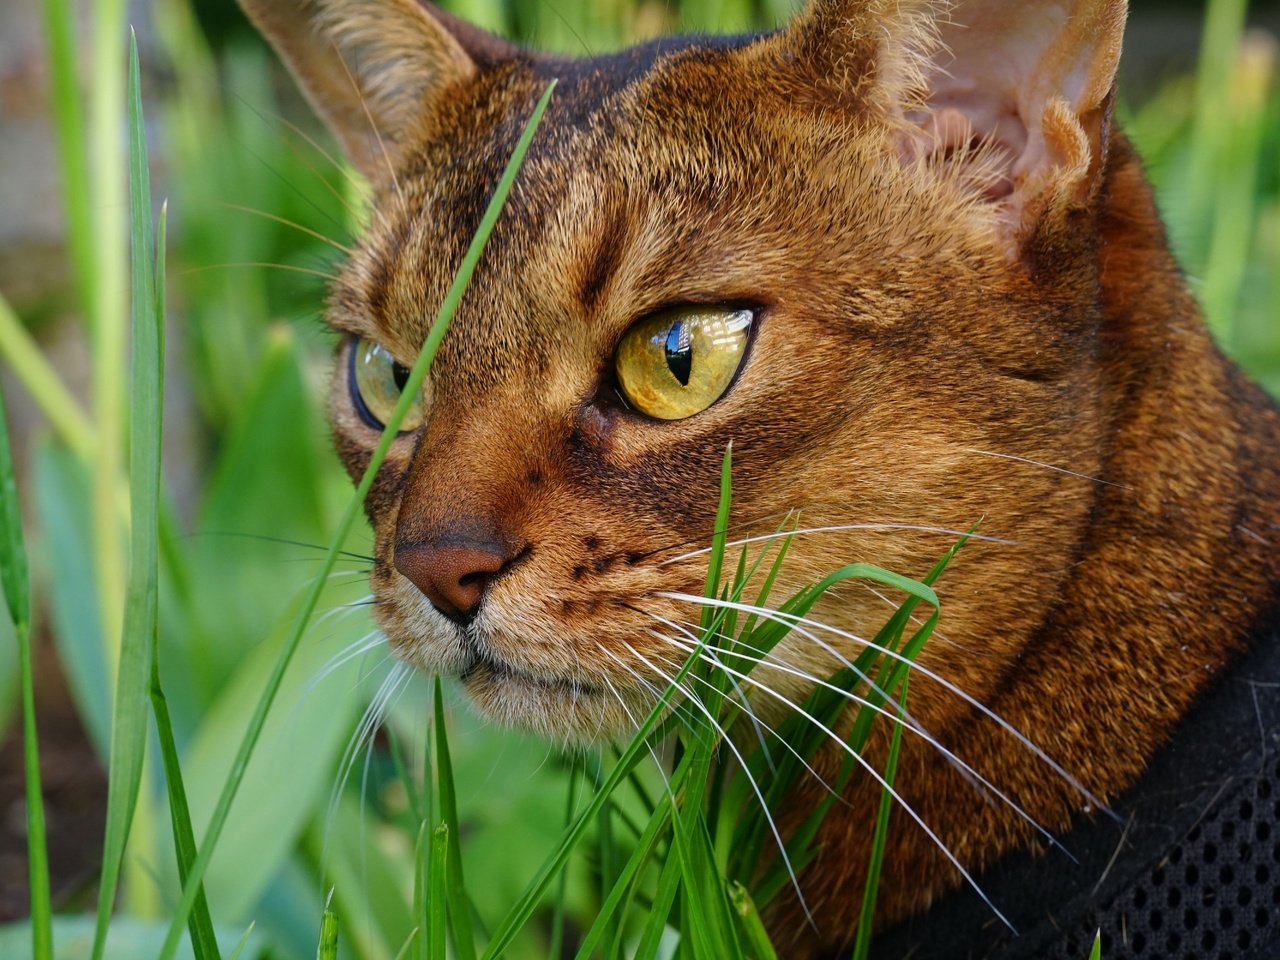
{"points": [[1017, 90], [372, 69]]}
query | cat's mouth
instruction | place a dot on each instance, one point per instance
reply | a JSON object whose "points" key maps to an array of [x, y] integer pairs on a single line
{"points": [[485, 670]]}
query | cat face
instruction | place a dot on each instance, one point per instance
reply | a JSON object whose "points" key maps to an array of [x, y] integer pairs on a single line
{"points": [[894, 330]]}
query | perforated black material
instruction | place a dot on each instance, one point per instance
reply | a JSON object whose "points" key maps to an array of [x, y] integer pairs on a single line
{"points": [[1190, 871], [1216, 894]]}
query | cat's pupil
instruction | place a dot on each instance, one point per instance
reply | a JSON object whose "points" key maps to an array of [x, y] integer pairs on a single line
{"points": [[680, 351], [399, 374]]}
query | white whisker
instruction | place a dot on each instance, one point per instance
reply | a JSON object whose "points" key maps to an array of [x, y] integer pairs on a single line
{"points": [[369, 642], [794, 621], [725, 739], [747, 707], [1047, 466], [900, 716], [888, 788], [805, 531]]}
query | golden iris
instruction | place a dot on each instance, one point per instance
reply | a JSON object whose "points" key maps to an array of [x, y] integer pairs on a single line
{"points": [[377, 381], [679, 362]]}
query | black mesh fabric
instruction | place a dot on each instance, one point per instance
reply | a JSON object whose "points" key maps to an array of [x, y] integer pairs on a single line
{"points": [[1190, 870], [1215, 894]]}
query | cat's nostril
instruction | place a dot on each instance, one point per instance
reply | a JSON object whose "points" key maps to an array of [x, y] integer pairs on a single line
{"points": [[453, 576]]}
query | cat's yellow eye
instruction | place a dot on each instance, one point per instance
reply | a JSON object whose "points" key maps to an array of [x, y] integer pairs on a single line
{"points": [[377, 381], [679, 362]]}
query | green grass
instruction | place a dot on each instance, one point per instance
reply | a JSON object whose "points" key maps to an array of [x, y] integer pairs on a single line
{"points": [[160, 609]]}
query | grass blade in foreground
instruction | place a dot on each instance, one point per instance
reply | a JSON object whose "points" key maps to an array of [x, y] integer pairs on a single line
{"points": [[327, 948], [411, 389], [203, 941], [459, 907], [129, 722], [17, 596]]}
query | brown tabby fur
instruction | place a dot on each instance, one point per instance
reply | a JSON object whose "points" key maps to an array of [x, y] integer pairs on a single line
{"points": [[942, 338]]}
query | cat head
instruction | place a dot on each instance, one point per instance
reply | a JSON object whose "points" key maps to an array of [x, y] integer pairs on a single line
{"points": [[861, 249]]}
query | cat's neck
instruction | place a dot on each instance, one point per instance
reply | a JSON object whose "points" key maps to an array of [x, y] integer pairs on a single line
{"points": [[1180, 562]]}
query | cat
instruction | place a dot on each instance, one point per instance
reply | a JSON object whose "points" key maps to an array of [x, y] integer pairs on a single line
{"points": [[900, 255]]}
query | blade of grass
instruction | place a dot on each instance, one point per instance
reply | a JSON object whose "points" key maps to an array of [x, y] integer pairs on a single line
{"points": [[556, 947], [752, 925], [403, 952], [638, 748], [204, 943], [46, 388], [14, 572], [242, 942], [438, 893], [129, 725], [862, 941], [1096, 952], [459, 908], [519, 914], [327, 946], [17, 597], [110, 316], [72, 157], [625, 885], [411, 389]]}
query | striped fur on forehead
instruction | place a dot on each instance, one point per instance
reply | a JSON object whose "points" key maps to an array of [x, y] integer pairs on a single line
{"points": [[685, 179]]}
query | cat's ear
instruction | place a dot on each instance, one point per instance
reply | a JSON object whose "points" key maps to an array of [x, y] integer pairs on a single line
{"points": [[374, 69], [1018, 89]]}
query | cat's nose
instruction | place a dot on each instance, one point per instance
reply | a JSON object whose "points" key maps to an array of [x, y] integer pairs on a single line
{"points": [[453, 575]]}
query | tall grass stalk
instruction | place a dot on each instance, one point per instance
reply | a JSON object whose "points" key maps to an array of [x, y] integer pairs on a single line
{"points": [[68, 117], [141, 614], [46, 388], [203, 941], [412, 387], [16, 585], [108, 320]]}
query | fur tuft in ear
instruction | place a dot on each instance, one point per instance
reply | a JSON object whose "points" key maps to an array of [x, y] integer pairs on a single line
{"points": [[1017, 94], [867, 53], [1031, 82], [372, 69]]}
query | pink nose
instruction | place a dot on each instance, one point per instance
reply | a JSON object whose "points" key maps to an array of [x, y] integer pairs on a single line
{"points": [[453, 576]]}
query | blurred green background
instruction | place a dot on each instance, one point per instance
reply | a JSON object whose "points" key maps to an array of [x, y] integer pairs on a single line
{"points": [[257, 205]]}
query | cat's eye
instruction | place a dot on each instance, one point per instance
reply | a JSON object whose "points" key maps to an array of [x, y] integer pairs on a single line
{"points": [[377, 381], [679, 362]]}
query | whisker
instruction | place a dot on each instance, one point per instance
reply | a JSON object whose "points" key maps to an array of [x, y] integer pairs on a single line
{"points": [[370, 641], [281, 540], [751, 522], [254, 264], [888, 788], [725, 739], [1047, 466], [804, 531], [937, 634], [745, 704], [901, 717], [636, 723], [793, 621], [290, 185], [314, 234], [397, 677], [373, 127], [265, 115]]}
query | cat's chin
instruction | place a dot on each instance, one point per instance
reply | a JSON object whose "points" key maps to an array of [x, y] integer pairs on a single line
{"points": [[565, 708]]}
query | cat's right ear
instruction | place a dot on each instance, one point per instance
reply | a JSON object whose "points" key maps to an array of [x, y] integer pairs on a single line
{"points": [[1014, 94], [374, 70]]}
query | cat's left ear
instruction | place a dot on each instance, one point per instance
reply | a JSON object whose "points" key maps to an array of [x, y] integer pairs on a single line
{"points": [[1030, 79], [375, 70]]}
